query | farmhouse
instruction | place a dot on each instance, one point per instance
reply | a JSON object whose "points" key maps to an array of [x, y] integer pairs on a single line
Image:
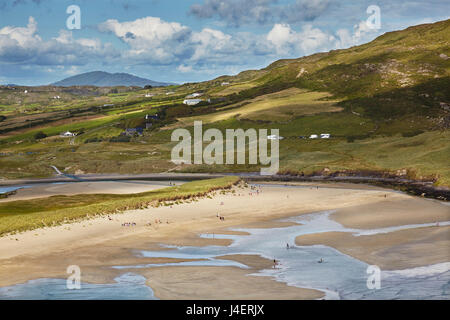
{"points": [[67, 134], [314, 136], [152, 117], [192, 102], [325, 136]]}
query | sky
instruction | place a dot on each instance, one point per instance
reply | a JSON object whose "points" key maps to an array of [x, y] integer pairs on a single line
{"points": [[187, 40]]}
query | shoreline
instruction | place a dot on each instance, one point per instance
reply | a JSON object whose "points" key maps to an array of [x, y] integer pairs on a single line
{"points": [[420, 188], [98, 243]]}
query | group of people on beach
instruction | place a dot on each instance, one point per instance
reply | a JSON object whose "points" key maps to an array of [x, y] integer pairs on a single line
{"points": [[129, 224], [255, 190], [157, 221]]}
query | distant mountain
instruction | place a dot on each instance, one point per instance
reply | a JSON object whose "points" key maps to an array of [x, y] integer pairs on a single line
{"points": [[105, 79]]}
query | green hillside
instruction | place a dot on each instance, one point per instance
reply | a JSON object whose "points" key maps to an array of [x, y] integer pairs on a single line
{"points": [[385, 103]]}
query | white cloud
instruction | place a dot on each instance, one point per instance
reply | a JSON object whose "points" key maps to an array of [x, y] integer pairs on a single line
{"points": [[361, 34], [152, 40], [23, 45], [307, 41], [24, 36], [184, 68]]}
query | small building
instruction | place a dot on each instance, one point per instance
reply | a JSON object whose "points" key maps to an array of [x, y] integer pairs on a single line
{"points": [[314, 136], [148, 95], [67, 134], [225, 84], [325, 136], [152, 117], [192, 102]]}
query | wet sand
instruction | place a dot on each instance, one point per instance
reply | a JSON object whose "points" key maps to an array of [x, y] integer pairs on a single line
{"points": [[98, 187], [97, 244], [392, 212], [221, 283]]}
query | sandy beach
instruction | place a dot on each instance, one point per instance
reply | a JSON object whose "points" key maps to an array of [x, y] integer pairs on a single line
{"points": [[97, 244], [97, 187]]}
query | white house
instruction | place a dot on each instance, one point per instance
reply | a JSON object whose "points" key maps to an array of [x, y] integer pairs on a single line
{"points": [[225, 84], [325, 136], [148, 95], [314, 136], [68, 134], [192, 102]]}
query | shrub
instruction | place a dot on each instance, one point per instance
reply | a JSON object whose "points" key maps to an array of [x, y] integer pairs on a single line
{"points": [[412, 133], [120, 139], [93, 140], [40, 135]]}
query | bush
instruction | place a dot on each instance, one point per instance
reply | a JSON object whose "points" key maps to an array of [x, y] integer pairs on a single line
{"points": [[40, 135], [120, 139], [2, 118], [93, 140], [351, 139], [412, 133]]}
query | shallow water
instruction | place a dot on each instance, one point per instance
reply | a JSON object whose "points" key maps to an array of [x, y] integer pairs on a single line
{"points": [[9, 189], [339, 276], [127, 287]]}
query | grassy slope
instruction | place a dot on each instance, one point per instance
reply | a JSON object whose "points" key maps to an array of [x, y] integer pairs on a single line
{"points": [[390, 91], [32, 214]]}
